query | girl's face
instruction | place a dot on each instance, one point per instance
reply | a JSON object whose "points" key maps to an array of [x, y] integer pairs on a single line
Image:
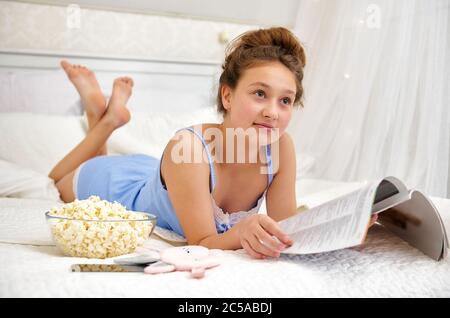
{"points": [[263, 99]]}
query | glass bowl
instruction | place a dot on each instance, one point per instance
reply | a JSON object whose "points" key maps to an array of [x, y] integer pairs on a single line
{"points": [[100, 238]]}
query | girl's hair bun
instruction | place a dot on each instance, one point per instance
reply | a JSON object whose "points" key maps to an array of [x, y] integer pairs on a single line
{"points": [[279, 37]]}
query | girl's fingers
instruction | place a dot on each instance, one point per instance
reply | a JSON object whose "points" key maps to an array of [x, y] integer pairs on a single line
{"points": [[272, 227], [269, 241], [250, 250], [261, 248], [373, 220]]}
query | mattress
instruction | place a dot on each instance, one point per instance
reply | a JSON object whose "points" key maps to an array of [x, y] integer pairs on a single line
{"points": [[384, 266]]}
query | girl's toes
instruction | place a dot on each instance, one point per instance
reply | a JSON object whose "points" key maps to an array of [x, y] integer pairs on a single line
{"points": [[124, 80], [65, 65], [128, 80]]}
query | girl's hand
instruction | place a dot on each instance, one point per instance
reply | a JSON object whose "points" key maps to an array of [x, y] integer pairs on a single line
{"points": [[372, 221], [256, 236]]}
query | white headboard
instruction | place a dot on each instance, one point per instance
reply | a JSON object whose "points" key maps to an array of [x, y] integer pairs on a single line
{"points": [[33, 81]]}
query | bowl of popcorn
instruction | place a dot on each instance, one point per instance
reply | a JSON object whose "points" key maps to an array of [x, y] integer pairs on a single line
{"points": [[96, 228]]}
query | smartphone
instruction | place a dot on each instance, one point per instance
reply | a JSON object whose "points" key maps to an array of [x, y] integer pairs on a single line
{"points": [[144, 259], [107, 268]]}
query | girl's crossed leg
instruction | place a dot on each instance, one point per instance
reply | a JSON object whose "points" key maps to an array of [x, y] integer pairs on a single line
{"points": [[91, 96], [102, 122]]}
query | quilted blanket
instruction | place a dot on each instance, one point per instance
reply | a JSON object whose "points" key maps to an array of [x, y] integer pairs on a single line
{"points": [[384, 266]]}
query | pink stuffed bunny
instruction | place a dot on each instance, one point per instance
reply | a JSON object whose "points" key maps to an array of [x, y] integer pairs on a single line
{"points": [[195, 259]]}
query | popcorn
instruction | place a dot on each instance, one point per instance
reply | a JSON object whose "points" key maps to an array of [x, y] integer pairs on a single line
{"points": [[96, 228]]}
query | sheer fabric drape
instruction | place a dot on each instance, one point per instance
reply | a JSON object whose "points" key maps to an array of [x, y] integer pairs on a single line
{"points": [[376, 91]]}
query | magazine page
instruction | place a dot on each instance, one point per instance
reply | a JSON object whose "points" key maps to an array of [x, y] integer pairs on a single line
{"points": [[337, 224], [390, 192], [418, 222]]}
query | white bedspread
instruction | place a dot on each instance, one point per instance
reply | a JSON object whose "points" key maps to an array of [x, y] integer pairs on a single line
{"points": [[384, 267]]}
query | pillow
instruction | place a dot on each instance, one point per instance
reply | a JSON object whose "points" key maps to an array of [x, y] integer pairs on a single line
{"points": [[148, 133], [29, 91], [39, 141], [20, 182]]}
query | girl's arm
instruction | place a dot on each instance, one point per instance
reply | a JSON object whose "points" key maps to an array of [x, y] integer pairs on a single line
{"points": [[188, 187], [189, 192], [280, 200]]}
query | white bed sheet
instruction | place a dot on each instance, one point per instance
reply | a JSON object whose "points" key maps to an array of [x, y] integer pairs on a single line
{"points": [[384, 267]]}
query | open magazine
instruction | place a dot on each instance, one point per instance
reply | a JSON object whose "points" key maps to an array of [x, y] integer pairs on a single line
{"points": [[342, 222]]}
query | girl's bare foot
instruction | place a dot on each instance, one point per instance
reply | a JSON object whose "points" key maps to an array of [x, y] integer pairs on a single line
{"points": [[87, 86], [117, 114]]}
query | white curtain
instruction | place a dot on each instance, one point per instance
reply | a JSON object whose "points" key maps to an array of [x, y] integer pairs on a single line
{"points": [[377, 88]]}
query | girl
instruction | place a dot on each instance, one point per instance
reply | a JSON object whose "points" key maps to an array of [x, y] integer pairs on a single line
{"points": [[212, 203]]}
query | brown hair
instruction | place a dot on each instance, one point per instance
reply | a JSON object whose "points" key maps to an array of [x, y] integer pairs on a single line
{"points": [[254, 47]]}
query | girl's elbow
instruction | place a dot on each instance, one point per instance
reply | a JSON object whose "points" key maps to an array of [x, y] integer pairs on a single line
{"points": [[201, 241]]}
